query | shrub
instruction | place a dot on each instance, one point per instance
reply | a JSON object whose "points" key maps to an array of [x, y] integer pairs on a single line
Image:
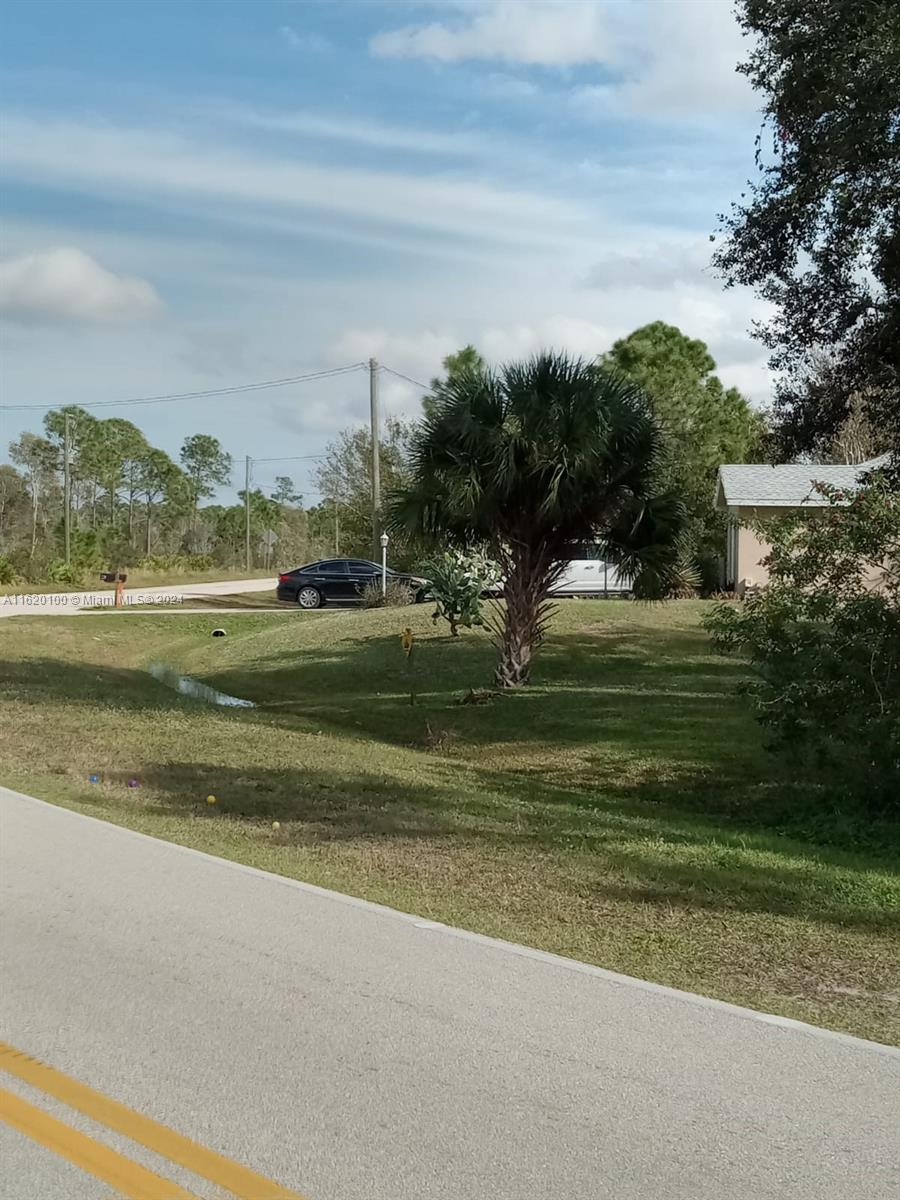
{"points": [[458, 579], [824, 639], [66, 574], [687, 580], [396, 594], [175, 564], [8, 572]]}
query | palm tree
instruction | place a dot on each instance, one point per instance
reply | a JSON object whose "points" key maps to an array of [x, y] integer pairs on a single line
{"points": [[528, 460]]}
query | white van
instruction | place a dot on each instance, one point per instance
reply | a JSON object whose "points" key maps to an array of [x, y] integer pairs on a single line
{"points": [[588, 574]]}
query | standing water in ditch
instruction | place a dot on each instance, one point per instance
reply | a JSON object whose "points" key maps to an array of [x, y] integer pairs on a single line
{"points": [[187, 686]]}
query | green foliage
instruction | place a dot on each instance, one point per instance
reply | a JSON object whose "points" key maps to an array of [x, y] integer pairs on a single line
{"points": [[205, 464], [824, 638], [130, 495], [395, 595], [8, 572], [706, 425], [297, 543], [459, 579], [465, 361], [14, 506], [687, 579], [819, 235], [343, 521], [88, 556], [110, 453], [65, 574], [526, 461], [285, 492], [176, 564]]}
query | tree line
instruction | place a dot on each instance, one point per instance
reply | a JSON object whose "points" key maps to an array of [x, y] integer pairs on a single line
{"points": [[130, 504]]}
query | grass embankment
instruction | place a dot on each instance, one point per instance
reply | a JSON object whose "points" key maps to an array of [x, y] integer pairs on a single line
{"points": [[621, 810], [136, 579], [242, 601]]}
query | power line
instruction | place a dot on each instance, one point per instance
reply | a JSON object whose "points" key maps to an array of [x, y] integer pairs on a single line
{"points": [[425, 387], [292, 458], [170, 397]]}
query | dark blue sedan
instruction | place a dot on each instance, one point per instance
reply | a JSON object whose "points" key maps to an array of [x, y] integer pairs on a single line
{"points": [[340, 581]]}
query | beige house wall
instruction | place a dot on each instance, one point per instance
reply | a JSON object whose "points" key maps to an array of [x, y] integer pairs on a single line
{"points": [[751, 549], [746, 549]]}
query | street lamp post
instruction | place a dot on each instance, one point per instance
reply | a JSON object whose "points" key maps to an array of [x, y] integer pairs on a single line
{"points": [[384, 546]]}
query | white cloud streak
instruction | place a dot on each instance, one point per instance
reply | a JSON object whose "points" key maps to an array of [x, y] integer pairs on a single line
{"points": [[104, 159], [362, 132]]}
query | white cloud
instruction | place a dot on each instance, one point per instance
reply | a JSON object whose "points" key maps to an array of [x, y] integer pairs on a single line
{"points": [[682, 63], [544, 32], [662, 60], [66, 283], [656, 266], [741, 363], [577, 335], [313, 43]]}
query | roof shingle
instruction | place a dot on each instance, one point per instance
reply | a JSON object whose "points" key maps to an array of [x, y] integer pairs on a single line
{"points": [[742, 485]]}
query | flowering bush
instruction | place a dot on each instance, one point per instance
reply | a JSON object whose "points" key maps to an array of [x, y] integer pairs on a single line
{"points": [[824, 638], [458, 579]]}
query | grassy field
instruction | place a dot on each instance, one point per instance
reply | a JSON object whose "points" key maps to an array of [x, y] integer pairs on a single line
{"points": [[621, 810]]}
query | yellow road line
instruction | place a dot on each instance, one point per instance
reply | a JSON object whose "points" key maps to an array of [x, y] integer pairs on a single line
{"points": [[129, 1178], [240, 1181]]}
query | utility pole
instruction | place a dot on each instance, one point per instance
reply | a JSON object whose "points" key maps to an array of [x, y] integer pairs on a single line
{"points": [[337, 531], [67, 486], [376, 457], [247, 513]]}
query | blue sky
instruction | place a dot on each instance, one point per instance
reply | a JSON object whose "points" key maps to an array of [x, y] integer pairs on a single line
{"points": [[199, 194]]}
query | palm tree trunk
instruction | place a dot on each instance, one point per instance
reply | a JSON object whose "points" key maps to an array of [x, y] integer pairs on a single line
{"points": [[520, 626], [147, 545]]}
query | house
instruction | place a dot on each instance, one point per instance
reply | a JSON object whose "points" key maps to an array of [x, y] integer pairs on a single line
{"points": [[752, 492]]}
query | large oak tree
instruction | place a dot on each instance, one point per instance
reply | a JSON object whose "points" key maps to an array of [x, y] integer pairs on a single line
{"points": [[818, 234]]}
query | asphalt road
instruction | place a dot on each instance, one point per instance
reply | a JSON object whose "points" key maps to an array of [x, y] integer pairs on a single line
{"points": [[61, 604], [353, 1053]]}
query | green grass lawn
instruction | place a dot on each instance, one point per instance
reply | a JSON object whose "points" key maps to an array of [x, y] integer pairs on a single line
{"points": [[621, 810]]}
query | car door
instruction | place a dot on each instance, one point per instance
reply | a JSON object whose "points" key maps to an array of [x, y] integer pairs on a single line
{"points": [[362, 574], [581, 574], [332, 578]]}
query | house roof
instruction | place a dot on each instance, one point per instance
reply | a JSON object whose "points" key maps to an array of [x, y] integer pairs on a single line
{"points": [[743, 485]]}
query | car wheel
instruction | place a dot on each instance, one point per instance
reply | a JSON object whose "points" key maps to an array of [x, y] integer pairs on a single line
{"points": [[309, 597]]}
